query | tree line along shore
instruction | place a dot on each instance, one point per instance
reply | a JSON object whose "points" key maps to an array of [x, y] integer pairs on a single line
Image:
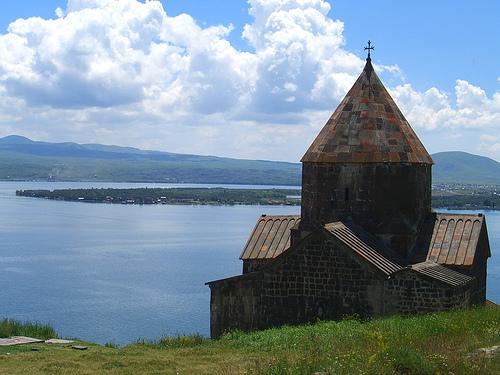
{"points": [[213, 196], [469, 197]]}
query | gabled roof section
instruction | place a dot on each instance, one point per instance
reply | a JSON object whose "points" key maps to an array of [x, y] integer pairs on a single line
{"points": [[451, 239], [270, 237], [367, 127], [442, 274], [367, 247]]}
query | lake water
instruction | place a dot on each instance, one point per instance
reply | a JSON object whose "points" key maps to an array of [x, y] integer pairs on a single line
{"points": [[118, 273]]}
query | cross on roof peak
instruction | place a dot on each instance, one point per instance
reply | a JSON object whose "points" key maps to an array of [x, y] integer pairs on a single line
{"points": [[369, 48]]}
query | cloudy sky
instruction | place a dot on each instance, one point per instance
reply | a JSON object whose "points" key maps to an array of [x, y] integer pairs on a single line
{"points": [[252, 79]]}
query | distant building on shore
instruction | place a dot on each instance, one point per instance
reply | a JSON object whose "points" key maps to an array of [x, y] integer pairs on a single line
{"points": [[367, 243]]}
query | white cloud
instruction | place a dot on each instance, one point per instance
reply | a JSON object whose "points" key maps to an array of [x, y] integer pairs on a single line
{"points": [[434, 109], [296, 42], [104, 68], [495, 147], [60, 13], [463, 122], [428, 110], [469, 96], [96, 56], [124, 72], [489, 138]]}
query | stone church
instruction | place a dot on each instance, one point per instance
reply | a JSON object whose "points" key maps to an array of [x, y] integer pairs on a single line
{"points": [[367, 243]]}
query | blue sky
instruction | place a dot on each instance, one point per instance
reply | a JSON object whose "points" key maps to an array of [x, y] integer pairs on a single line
{"points": [[188, 76]]}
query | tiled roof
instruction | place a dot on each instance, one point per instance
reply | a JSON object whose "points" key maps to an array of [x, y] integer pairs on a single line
{"points": [[270, 237], [491, 304], [367, 127], [441, 273], [450, 239], [367, 247]]}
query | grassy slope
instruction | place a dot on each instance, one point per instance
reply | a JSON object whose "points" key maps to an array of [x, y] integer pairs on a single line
{"points": [[70, 162], [440, 343], [461, 167], [75, 169]]}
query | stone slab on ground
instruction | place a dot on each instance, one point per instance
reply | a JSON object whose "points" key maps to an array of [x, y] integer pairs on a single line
{"points": [[18, 340], [79, 347], [58, 341]]}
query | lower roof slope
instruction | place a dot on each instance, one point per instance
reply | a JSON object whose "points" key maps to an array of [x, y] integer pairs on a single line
{"points": [[270, 237], [441, 273], [367, 247], [450, 239]]}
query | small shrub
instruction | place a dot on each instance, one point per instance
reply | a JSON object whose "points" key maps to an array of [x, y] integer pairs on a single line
{"points": [[111, 344], [408, 361], [189, 341]]}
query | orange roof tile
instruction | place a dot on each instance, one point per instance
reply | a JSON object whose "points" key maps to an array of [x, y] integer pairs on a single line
{"points": [[450, 239], [270, 237], [367, 121], [491, 304]]}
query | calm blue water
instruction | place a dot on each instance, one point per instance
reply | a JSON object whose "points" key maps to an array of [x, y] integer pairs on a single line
{"points": [[105, 273], [118, 273]]}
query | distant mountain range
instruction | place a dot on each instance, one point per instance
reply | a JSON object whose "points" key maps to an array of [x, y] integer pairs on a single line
{"points": [[461, 167], [24, 159]]}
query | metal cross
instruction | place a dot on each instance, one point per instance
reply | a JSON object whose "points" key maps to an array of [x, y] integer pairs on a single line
{"points": [[369, 48]]}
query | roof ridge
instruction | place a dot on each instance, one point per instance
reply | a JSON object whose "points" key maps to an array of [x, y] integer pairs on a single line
{"points": [[367, 247]]}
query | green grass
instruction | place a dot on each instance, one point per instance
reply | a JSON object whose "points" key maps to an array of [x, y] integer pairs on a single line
{"points": [[443, 343], [11, 327]]}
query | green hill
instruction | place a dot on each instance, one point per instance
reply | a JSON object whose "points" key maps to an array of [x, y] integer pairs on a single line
{"points": [[461, 167], [24, 159]]}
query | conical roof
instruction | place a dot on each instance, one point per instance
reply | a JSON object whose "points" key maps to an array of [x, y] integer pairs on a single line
{"points": [[367, 127]]}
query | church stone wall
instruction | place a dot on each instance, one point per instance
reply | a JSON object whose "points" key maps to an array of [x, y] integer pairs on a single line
{"points": [[253, 265], [479, 268], [317, 281], [236, 304], [387, 200], [410, 294]]}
